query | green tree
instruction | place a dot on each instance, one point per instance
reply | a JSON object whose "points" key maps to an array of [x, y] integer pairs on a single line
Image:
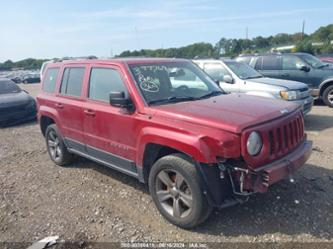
{"points": [[305, 46]]}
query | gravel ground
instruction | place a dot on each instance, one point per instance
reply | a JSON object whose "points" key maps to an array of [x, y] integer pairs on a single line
{"points": [[88, 202]]}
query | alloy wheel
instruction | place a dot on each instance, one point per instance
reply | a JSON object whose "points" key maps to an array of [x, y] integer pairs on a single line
{"points": [[174, 193], [330, 96], [54, 145]]}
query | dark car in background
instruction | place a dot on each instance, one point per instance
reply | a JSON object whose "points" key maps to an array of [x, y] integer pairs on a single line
{"points": [[31, 78], [301, 67], [16, 79], [16, 105]]}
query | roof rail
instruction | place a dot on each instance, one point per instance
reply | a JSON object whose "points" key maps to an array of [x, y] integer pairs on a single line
{"points": [[251, 54], [90, 57], [203, 58]]}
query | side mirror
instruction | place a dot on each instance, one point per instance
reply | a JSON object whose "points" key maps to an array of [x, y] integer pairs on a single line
{"points": [[118, 99], [228, 79], [303, 67]]}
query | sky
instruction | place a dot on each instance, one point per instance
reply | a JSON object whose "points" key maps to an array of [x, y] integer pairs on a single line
{"points": [[58, 28]]}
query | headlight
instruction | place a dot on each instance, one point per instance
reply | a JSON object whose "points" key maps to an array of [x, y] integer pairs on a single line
{"points": [[289, 95], [254, 143]]}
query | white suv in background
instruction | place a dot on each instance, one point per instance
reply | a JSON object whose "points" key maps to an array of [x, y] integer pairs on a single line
{"points": [[238, 77]]}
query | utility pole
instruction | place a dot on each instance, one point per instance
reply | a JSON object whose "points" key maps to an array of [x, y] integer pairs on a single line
{"points": [[247, 33], [303, 27]]}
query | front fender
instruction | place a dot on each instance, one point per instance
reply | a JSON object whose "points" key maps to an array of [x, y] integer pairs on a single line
{"points": [[324, 83], [185, 143], [202, 149]]}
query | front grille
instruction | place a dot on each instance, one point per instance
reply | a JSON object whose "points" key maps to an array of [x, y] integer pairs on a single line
{"points": [[280, 138], [286, 137]]}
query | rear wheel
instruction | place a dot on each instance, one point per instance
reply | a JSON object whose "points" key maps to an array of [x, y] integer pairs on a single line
{"points": [[176, 190], [328, 96], [56, 147]]}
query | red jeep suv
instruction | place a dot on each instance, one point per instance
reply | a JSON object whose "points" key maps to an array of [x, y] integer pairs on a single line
{"points": [[166, 123]]}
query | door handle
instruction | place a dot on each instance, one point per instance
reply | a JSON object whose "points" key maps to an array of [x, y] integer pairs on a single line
{"points": [[285, 74], [90, 113], [59, 105]]}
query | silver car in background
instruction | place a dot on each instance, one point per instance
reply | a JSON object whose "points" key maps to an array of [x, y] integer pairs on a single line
{"points": [[238, 77]]}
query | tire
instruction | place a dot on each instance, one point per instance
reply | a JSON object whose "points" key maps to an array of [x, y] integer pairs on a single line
{"points": [[328, 96], [175, 187], [56, 147]]}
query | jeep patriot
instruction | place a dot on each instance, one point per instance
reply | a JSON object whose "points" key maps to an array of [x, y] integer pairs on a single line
{"points": [[167, 123]]}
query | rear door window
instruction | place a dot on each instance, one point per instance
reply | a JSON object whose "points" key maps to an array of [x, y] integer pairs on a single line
{"points": [[72, 81], [246, 59], [103, 81], [271, 62], [50, 80], [216, 71]]}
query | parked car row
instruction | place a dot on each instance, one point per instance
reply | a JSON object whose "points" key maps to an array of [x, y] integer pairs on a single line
{"points": [[23, 76], [169, 125], [301, 67], [16, 105]]}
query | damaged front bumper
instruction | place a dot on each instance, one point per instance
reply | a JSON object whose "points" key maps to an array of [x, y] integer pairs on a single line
{"points": [[230, 183], [263, 177]]}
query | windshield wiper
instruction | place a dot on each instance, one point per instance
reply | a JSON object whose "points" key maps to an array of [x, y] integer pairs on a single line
{"points": [[253, 77], [210, 94], [172, 99]]}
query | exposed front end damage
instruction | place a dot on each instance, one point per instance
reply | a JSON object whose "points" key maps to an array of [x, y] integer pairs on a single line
{"points": [[232, 181]]}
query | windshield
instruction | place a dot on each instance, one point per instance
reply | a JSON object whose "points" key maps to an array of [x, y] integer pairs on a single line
{"points": [[242, 70], [162, 83], [6, 86], [313, 61]]}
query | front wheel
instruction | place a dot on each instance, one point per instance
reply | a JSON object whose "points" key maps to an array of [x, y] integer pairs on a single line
{"points": [[175, 187], [328, 96]]}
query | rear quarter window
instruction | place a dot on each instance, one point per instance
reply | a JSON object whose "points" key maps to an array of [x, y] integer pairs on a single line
{"points": [[50, 80]]}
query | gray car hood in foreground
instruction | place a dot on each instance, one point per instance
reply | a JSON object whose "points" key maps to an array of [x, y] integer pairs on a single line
{"points": [[290, 84]]}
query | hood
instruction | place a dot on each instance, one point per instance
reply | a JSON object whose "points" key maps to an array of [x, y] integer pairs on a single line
{"points": [[230, 112], [15, 99], [289, 84]]}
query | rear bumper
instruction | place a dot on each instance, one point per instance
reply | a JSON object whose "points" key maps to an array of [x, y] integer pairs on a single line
{"points": [[276, 171]]}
